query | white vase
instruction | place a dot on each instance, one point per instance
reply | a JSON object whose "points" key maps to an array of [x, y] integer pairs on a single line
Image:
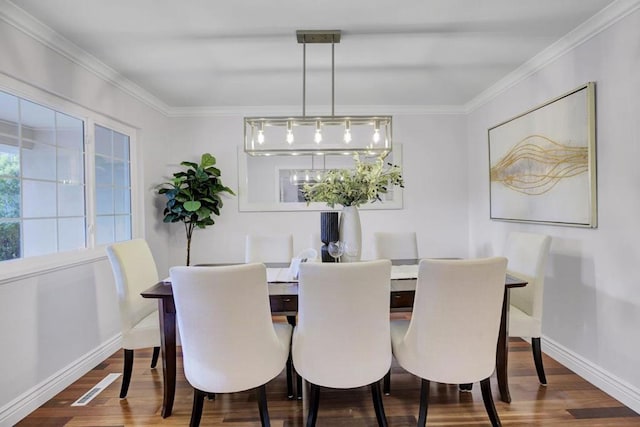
{"points": [[351, 233]]}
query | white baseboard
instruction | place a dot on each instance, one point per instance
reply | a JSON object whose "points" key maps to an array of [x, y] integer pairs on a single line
{"points": [[607, 382], [39, 394]]}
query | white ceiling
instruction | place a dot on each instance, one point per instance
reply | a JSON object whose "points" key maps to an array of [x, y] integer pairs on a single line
{"points": [[217, 54]]}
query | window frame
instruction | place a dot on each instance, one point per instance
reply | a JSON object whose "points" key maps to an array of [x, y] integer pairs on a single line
{"points": [[21, 268]]}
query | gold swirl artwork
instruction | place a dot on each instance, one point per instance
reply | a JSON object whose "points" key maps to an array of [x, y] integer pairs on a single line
{"points": [[536, 164]]}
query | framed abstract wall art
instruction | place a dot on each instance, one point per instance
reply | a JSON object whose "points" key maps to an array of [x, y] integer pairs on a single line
{"points": [[543, 163]]}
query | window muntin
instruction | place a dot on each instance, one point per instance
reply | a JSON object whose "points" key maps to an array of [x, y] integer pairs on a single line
{"points": [[44, 165], [113, 185]]}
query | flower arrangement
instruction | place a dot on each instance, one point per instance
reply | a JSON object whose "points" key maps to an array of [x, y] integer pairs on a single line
{"points": [[366, 182]]}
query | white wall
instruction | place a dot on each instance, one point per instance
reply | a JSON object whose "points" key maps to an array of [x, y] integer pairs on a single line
{"points": [[434, 161], [51, 323], [592, 292]]}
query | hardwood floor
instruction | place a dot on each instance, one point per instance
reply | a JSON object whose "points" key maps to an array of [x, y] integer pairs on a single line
{"points": [[568, 400]]}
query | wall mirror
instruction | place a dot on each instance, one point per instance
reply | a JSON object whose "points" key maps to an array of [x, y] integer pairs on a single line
{"points": [[273, 183]]}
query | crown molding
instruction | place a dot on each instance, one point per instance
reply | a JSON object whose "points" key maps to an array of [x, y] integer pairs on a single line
{"points": [[21, 20], [585, 31], [294, 110]]}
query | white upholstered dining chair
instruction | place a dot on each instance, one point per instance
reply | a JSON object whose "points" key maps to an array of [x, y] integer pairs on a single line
{"points": [[527, 254], [395, 245], [269, 248], [134, 270], [343, 342], [453, 332], [229, 342], [274, 248]]}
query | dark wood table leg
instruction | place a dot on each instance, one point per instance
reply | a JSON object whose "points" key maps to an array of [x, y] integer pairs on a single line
{"points": [[503, 350], [167, 312]]}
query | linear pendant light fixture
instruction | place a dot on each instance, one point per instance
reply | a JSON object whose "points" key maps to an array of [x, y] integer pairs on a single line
{"points": [[317, 135]]}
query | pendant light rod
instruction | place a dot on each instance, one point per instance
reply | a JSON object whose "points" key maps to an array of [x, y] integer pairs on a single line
{"points": [[333, 78], [318, 36], [304, 78]]}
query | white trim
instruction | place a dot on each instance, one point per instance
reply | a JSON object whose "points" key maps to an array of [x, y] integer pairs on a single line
{"points": [[313, 110], [24, 268], [606, 381], [21, 20], [590, 28], [39, 394]]}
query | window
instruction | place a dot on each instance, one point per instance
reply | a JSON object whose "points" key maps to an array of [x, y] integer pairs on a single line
{"points": [[113, 186], [44, 164]]}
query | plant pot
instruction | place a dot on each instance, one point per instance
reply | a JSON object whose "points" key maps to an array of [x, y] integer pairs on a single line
{"points": [[329, 232], [351, 234]]}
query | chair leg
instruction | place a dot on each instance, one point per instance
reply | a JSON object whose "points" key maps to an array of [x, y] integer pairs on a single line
{"points": [[377, 404], [126, 375], [154, 358], [261, 393], [292, 321], [536, 348], [289, 369], [424, 403], [386, 388], [196, 411], [314, 401], [211, 396], [465, 387], [485, 385], [298, 385]]}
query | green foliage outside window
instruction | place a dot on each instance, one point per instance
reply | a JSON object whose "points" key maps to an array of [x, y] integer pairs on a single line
{"points": [[9, 207]]}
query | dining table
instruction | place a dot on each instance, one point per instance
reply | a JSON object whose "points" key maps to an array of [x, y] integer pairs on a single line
{"points": [[283, 297]]}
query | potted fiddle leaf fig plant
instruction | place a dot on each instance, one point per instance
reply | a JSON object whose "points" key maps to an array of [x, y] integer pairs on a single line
{"points": [[193, 196]]}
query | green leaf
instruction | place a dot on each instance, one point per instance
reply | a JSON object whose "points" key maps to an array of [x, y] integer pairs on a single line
{"points": [[203, 213], [189, 164], [201, 175], [207, 160], [213, 171], [192, 205]]}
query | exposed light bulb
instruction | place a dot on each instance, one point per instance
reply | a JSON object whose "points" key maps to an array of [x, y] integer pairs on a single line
{"points": [[376, 136], [261, 133], [347, 132], [376, 133], [290, 132], [318, 136]]}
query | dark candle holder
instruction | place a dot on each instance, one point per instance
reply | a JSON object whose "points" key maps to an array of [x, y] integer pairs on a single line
{"points": [[329, 232]]}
